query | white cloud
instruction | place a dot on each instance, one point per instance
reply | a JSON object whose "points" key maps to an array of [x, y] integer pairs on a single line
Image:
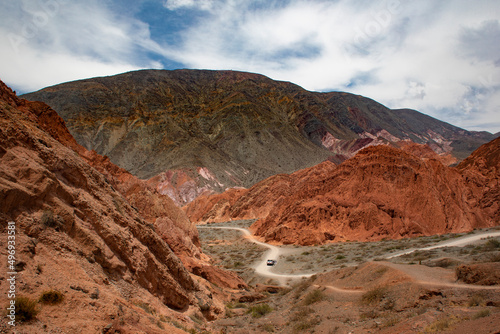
{"points": [[439, 57], [424, 55], [48, 42], [196, 4]]}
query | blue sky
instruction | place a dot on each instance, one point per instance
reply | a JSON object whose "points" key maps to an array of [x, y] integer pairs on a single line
{"points": [[439, 57]]}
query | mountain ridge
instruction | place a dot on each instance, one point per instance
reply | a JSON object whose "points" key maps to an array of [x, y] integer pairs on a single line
{"points": [[220, 129]]}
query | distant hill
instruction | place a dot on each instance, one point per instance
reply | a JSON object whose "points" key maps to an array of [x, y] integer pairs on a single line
{"points": [[200, 131]]}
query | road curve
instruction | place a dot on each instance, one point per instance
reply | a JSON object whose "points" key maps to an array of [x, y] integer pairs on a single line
{"points": [[459, 242], [273, 253]]}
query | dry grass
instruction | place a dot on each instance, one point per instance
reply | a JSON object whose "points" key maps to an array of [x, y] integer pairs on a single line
{"points": [[314, 297], [260, 310], [51, 297], [26, 309], [374, 295]]}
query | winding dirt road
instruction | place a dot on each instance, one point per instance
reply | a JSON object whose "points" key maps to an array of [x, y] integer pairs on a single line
{"points": [[274, 253]]}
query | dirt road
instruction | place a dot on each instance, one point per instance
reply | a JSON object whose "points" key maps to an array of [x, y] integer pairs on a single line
{"points": [[273, 253], [459, 242]]}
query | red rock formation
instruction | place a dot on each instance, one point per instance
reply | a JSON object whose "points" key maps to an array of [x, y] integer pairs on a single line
{"points": [[481, 171], [93, 222], [424, 151], [252, 203], [382, 192]]}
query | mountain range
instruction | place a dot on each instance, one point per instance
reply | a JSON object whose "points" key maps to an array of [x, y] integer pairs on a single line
{"points": [[194, 132]]}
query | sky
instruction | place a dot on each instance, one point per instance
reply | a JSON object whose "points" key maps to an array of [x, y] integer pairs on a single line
{"points": [[441, 58]]}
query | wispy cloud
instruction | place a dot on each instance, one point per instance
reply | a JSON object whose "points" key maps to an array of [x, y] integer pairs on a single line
{"points": [[47, 42], [439, 57]]}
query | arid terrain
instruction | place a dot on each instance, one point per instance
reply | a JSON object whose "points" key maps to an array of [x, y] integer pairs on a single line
{"points": [[354, 227], [363, 287]]}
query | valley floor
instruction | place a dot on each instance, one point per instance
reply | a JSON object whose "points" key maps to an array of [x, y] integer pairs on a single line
{"points": [[360, 287]]}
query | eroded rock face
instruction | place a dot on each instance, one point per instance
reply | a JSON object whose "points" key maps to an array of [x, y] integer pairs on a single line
{"points": [[77, 205], [480, 273], [481, 171], [255, 202], [382, 192]]}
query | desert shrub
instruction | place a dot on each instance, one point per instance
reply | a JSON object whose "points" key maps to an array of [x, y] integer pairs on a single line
{"points": [[492, 244], [371, 314], [268, 328], [235, 305], [305, 325], [302, 314], [374, 295], [314, 297], [260, 310], [301, 287], [48, 219], [476, 300], [51, 297], [146, 307], [440, 325], [481, 314], [26, 309], [391, 321]]}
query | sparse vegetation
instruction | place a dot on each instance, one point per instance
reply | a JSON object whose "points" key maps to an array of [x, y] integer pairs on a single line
{"points": [[51, 297], [303, 307], [440, 325], [26, 309], [481, 314], [314, 297], [260, 310], [48, 219], [476, 300], [374, 295], [145, 306]]}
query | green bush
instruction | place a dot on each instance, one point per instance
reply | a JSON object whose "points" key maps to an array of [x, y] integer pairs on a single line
{"points": [[51, 297], [26, 309], [260, 310]]}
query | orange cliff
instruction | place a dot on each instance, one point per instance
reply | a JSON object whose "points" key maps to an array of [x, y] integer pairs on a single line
{"points": [[382, 192], [93, 226]]}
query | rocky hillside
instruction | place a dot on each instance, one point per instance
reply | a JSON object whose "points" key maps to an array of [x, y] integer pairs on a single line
{"points": [[200, 131], [107, 241], [481, 171], [382, 192]]}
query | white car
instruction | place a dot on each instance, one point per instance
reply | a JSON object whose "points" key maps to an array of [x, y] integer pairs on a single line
{"points": [[271, 262]]}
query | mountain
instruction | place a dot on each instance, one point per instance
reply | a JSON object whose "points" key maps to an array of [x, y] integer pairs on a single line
{"points": [[382, 192], [91, 230], [199, 131]]}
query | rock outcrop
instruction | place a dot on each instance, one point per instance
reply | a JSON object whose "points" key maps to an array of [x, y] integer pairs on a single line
{"points": [[481, 171], [382, 192], [255, 202], [91, 223], [205, 131]]}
